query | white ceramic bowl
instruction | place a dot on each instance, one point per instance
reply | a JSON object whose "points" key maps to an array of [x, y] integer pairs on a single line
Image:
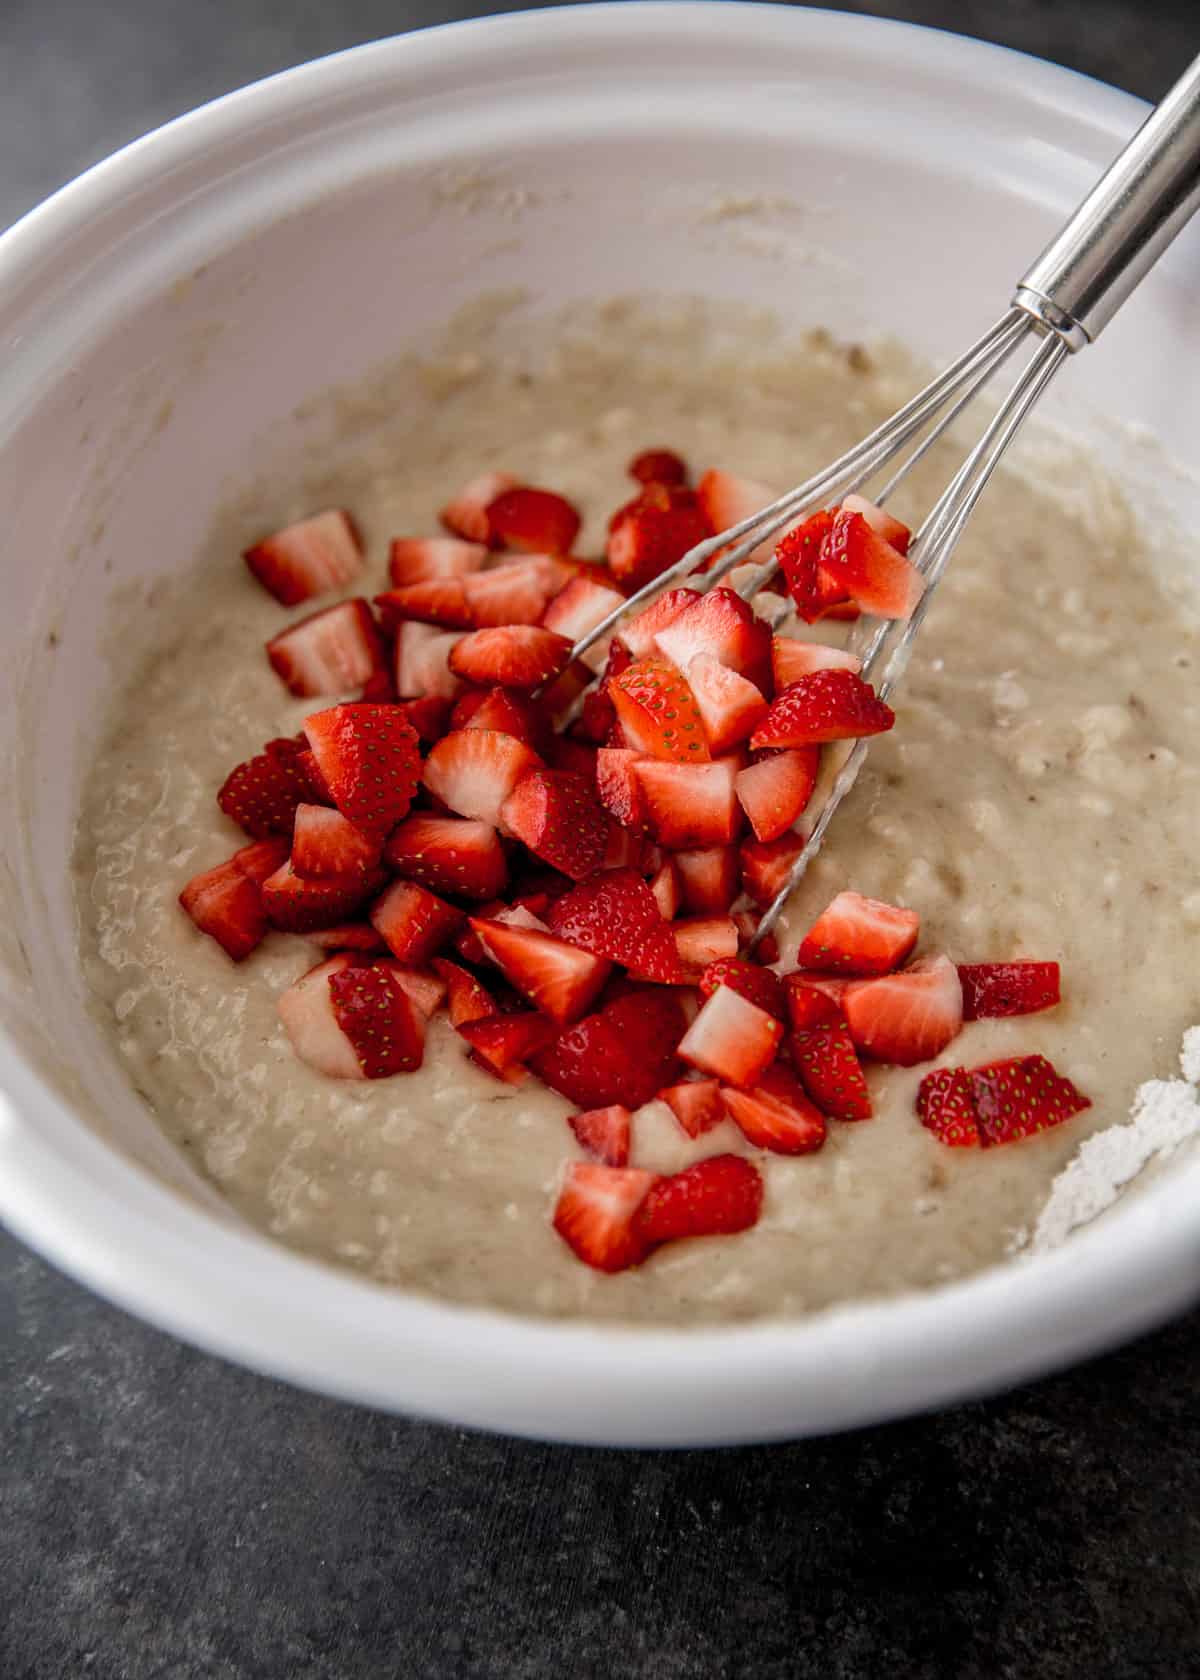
{"points": [[278, 241]]}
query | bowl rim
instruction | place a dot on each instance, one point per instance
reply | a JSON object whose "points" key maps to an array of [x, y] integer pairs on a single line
{"points": [[120, 1231]]}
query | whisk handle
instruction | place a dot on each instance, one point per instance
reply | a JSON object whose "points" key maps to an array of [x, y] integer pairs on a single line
{"points": [[1123, 225]]}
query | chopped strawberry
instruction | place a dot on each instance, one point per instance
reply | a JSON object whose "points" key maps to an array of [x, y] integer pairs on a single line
{"points": [[689, 805], [467, 514], [559, 979], [307, 1014], [732, 1038], [316, 554], [414, 923], [422, 662], [557, 816], [515, 594], [614, 915], [810, 1006], [448, 855], [890, 528], [638, 635], [515, 656], [262, 794], [597, 718], [730, 705], [655, 531], [508, 711], [465, 942], [1018, 1098], [580, 607], [759, 985], [380, 1019], [538, 520], [577, 758], [625, 1053], [696, 1104], [225, 903], [857, 935], [841, 611], [594, 1214], [429, 717], [559, 696], [709, 879], [347, 936], [329, 652], [467, 1000], [666, 888], [604, 1133], [712, 1198], [619, 789], [295, 905], [501, 1042], [865, 566], [833, 986], [775, 1114], [427, 990], [370, 761], [723, 625], [325, 844], [437, 601], [658, 466], [422, 559], [262, 858], [767, 865], [727, 500], [798, 555], [792, 659], [746, 922], [658, 712], [775, 791], [906, 1017], [830, 705], [1011, 988], [701, 940], [473, 771], [825, 1059], [945, 1107]]}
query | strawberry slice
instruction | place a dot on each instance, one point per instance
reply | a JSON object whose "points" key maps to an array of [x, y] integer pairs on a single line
{"points": [[776, 790], [557, 816], [537, 520], [429, 717], [325, 844], [658, 466], [658, 712], [465, 942], [614, 915], [466, 999], [991, 990], [906, 1017], [945, 1108], [604, 1133], [792, 659], [262, 858], [307, 558], [689, 805], [776, 1115], [509, 712], [514, 656], [511, 594], [696, 1104], [329, 652], [295, 905], [712, 1198], [892, 530], [857, 935], [1017, 1098], [758, 985], [436, 601], [598, 717], [594, 1214], [423, 559], [467, 514], [370, 761], [811, 1006], [225, 903], [767, 864], [307, 1015], [732, 1038], [830, 1071], [730, 706], [421, 662], [728, 499], [448, 855], [262, 794], [502, 1042], [559, 979], [798, 555], [579, 607], [619, 789], [414, 923], [625, 1053], [709, 879], [830, 705], [722, 625], [639, 633], [858, 562], [376, 1013], [701, 940], [666, 889], [473, 771], [426, 989], [347, 936], [653, 532]]}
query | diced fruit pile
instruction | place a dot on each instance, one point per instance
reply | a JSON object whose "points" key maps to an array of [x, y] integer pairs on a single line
{"points": [[570, 866]]}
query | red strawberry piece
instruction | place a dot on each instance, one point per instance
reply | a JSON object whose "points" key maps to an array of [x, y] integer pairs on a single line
{"points": [[775, 791], [689, 805], [945, 1108], [730, 705], [637, 636], [370, 760], [377, 1015], [466, 999], [295, 905], [467, 514], [557, 816], [414, 923], [595, 722], [625, 1053], [1011, 988], [728, 499], [1017, 1098], [722, 625], [857, 935], [767, 864], [379, 688], [658, 713], [701, 940], [776, 1114], [811, 1006], [594, 1214], [767, 949], [757, 984], [559, 979], [614, 915], [465, 942], [307, 1014], [316, 554], [225, 903], [501, 1042], [666, 888], [429, 718], [448, 855], [515, 656], [347, 936], [830, 1071], [423, 559], [262, 858], [426, 989], [906, 1017], [604, 1133], [841, 611], [654, 532], [828, 706], [579, 607], [834, 986], [473, 771], [732, 1038], [577, 758], [329, 652], [509, 712], [437, 601], [559, 696], [422, 662], [658, 466], [619, 789], [799, 555], [860, 563], [325, 844], [792, 659], [712, 1198], [709, 879], [514, 594], [262, 794], [696, 1104], [536, 903], [538, 520], [891, 529]]}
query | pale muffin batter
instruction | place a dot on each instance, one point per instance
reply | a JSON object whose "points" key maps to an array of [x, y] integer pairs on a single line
{"points": [[1038, 797]]}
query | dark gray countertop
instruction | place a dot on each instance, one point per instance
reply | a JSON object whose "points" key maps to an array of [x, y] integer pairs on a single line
{"points": [[167, 1517]]}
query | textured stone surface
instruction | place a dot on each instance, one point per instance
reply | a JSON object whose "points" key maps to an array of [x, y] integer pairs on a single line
{"points": [[167, 1517]]}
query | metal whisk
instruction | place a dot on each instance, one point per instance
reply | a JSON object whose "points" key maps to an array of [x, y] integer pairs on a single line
{"points": [[1071, 292]]}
